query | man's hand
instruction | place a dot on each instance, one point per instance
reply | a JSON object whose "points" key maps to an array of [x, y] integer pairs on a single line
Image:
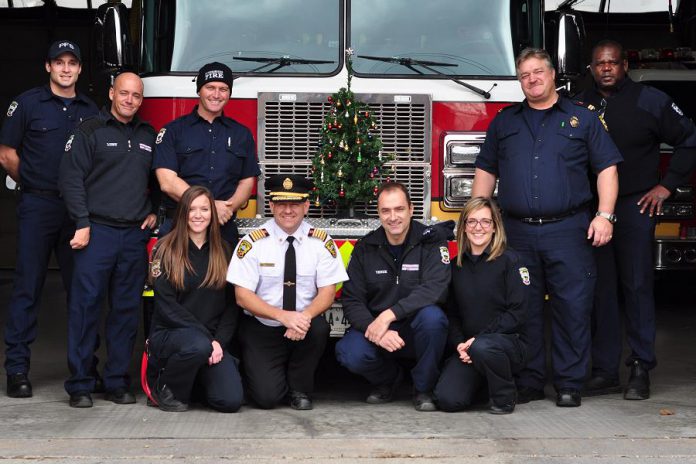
{"points": [[224, 211], [377, 328], [600, 231], [297, 321], [80, 239], [463, 350], [216, 357], [391, 341], [294, 335], [149, 221], [652, 201]]}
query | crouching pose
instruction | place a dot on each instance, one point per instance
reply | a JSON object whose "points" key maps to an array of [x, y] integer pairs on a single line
{"points": [[195, 312], [486, 309]]}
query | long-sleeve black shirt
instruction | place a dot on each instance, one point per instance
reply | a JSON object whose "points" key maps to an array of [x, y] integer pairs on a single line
{"points": [[105, 173], [487, 297], [639, 118], [212, 311]]}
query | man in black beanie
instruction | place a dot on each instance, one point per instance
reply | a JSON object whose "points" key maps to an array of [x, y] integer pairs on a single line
{"points": [[207, 148]]}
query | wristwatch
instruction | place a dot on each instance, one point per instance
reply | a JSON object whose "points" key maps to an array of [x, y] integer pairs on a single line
{"points": [[608, 216]]}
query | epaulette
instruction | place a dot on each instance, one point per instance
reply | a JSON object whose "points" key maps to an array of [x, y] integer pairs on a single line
{"points": [[589, 106], [258, 234], [321, 234]]}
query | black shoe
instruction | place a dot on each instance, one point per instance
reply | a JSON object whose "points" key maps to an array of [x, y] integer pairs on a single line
{"points": [[507, 408], [167, 402], [638, 387], [120, 396], [81, 400], [385, 393], [299, 401], [599, 385], [18, 386], [98, 383], [568, 398], [527, 394], [424, 402]]}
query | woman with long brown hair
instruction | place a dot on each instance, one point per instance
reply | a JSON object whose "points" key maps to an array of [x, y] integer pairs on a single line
{"points": [[195, 313], [486, 309]]}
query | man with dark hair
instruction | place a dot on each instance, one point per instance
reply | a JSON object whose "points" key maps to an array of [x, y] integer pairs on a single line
{"points": [[399, 276], [639, 119], [105, 180], [38, 124], [207, 148], [540, 150]]}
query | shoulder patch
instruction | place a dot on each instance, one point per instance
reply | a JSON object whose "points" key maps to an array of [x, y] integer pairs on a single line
{"points": [[331, 247], [258, 234], [68, 144], [11, 109], [674, 107], [524, 274], [444, 255], [321, 234], [160, 136], [243, 248], [155, 268]]}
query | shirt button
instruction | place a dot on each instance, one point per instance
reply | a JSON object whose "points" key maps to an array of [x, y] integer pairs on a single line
{"points": [[212, 152], [535, 176], [210, 130], [536, 157], [65, 109], [211, 168]]}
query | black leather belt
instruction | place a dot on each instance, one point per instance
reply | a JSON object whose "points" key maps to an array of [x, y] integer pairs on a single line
{"points": [[48, 193], [541, 220]]}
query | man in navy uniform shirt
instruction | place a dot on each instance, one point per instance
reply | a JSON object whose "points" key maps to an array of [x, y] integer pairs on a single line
{"points": [[207, 148], [540, 150], [639, 118], [38, 124]]}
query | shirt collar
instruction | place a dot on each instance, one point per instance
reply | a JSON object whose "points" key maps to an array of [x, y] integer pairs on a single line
{"points": [[563, 104], [280, 235], [193, 117], [47, 95]]}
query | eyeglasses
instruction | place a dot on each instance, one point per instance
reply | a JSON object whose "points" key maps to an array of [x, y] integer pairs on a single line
{"points": [[485, 223]]}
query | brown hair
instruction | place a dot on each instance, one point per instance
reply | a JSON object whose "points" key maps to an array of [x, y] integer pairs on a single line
{"points": [[499, 240], [538, 53], [391, 186], [172, 249]]}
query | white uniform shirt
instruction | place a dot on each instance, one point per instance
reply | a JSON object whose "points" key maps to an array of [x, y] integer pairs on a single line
{"points": [[258, 264]]}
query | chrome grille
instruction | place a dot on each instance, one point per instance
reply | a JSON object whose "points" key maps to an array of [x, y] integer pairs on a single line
{"points": [[290, 131]]}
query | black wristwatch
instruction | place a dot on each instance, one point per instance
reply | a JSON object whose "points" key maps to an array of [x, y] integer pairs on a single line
{"points": [[611, 217]]}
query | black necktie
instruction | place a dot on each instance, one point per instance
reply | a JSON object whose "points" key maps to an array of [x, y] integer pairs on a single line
{"points": [[289, 277]]}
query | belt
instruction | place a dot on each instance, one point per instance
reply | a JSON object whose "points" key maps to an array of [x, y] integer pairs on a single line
{"points": [[51, 193], [541, 220]]}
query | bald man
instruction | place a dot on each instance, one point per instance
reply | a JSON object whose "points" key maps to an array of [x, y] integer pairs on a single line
{"points": [[106, 183]]}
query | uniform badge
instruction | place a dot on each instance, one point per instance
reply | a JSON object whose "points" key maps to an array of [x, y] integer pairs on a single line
{"points": [[12, 108], [258, 234], [574, 121], [524, 273], [243, 248], [444, 254], [674, 107], [160, 136], [591, 107], [68, 144], [331, 247], [318, 233], [287, 183], [155, 268]]}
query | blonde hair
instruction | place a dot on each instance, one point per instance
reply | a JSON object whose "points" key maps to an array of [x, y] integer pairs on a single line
{"points": [[499, 240]]}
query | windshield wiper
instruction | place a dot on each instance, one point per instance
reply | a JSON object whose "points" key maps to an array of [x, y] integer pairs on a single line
{"points": [[410, 63], [279, 62]]}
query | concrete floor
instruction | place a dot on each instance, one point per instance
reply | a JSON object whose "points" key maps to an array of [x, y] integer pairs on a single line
{"points": [[343, 429]]}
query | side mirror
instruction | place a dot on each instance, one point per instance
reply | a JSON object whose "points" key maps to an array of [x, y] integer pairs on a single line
{"points": [[565, 35], [111, 36]]}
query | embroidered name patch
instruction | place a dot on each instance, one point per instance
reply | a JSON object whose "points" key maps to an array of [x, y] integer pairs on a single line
{"points": [[147, 148], [267, 264], [524, 273], [409, 267], [381, 271]]}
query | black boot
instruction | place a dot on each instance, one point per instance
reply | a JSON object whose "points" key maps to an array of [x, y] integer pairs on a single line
{"points": [[638, 387], [18, 386]]}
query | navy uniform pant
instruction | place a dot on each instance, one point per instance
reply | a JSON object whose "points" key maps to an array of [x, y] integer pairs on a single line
{"points": [[181, 357], [274, 364], [114, 263], [495, 359], [424, 335], [561, 262], [43, 227], [625, 265]]}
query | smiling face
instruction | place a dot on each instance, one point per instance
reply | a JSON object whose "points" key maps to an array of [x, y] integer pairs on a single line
{"points": [[199, 216], [538, 82], [289, 214], [395, 215], [63, 73], [126, 96], [608, 68], [479, 230], [213, 98]]}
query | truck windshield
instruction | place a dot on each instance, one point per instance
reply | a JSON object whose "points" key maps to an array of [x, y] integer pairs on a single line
{"points": [[473, 38], [302, 36]]}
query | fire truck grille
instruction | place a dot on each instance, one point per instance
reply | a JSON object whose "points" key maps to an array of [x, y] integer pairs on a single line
{"points": [[290, 131]]}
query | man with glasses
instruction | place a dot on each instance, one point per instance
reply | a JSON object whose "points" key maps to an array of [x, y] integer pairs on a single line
{"points": [[399, 275], [639, 118], [540, 150]]}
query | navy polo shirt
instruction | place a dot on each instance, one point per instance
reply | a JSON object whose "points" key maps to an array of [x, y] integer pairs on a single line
{"points": [[216, 156], [38, 125], [543, 167]]}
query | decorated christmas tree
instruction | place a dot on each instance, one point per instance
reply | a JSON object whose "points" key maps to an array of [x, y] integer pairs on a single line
{"points": [[348, 167]]}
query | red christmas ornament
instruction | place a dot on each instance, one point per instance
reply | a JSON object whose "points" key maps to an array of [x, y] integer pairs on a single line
{"points": [[329, 155], [375, 190], [341, 193], [330, 99]]}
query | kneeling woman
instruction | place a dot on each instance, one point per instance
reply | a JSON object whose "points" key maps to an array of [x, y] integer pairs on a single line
{"points": [[486, 310], [195, 313]]}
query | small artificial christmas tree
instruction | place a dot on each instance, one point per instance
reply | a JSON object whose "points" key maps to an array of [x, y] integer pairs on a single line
{"points": [[348, 167]]}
